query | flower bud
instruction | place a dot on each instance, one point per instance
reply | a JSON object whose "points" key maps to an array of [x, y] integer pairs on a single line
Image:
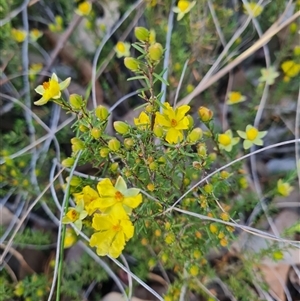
{"points": [[75, 181], [293, 28], [128, 173], [194, 135], [296, 51], [114, 167], [83, 128], [76, 101], [152, 36], [150, 187], [186, 181], [191, 121], [155, 52], [149, 108], [194, 270], [197, 165], [68, 162], [205, 114], [114, 144], [201, 150], [96, 133], [224, 174], [128, 143], [104, 152], [101, 112], [153, 166], [142, 34], [77, 144], [158, 131], [213, 157], [162, 160], [208, 188], [213, 228], [121, 127], [170, 238], [225, 216], [131, 63]]}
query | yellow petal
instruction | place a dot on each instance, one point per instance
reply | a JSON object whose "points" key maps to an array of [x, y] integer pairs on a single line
{"points": [[106, 188], [174, 136]]}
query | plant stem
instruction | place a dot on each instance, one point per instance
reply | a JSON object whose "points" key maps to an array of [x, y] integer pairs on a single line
{"points": [[61, 253]]}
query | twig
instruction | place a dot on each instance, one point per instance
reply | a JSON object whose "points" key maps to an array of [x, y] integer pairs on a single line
{"points": [[228, 165], [18, 256]]}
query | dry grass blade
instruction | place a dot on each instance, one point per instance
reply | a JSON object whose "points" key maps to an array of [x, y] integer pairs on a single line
{"points": [[257, 45]]}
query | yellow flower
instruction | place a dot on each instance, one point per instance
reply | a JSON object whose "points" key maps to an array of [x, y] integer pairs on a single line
{"points": [[84, 8], [284, 188], [122, 49], [235, 97], [183, 7], [268, 75], [143, 121], [173, 121], [116, 199], [113, 233], [35, 34], [18, 35], [226, 141], [51, 89], [75, 216], [290, 69], [253, 9], [70, 238], [89, 196], [252, 136]]}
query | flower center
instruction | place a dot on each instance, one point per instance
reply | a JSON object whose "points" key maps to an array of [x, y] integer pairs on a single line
{"points": [[119, 196], [46, 85], [183, 5], [73, 215], [84, 7], [117, 228], [173, 123], [252, 134], [52, 89], [121, 47], [224, 139], [235, 96]]}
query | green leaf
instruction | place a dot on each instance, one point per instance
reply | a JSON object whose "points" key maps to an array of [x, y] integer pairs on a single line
{"points": [[141, 106], [140, 49], [142, 89], [137, 77], [158, 77], [293, 229]]}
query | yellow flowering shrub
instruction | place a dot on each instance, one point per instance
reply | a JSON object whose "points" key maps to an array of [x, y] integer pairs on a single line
{"points": [[165, 187]]}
